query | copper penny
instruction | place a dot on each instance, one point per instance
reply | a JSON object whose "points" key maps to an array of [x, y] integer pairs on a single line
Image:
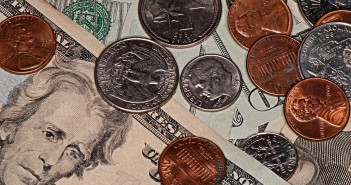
{"points": [[316, 109], [272, 64], [335, 16], [249, 20], [192, 160], [27, 44]]}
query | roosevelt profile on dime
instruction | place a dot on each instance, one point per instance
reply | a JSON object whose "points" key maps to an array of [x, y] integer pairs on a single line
{"points": [[211, 82], [55, 125]]}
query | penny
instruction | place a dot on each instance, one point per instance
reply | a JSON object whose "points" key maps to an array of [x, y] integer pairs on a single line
{"points": [[192, 160], [316, 109], [274, 151], [249, 20], [335, 16], [27, 44], [180, 23], [211, 82], [136, 75], [272, 64], [312, 10], [326, 53]]}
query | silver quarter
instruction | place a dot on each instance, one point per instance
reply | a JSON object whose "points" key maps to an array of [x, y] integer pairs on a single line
{"points": [[312, 10], [326, 53], [211, 82], [180, 23], [274, 151], [136, 75]]}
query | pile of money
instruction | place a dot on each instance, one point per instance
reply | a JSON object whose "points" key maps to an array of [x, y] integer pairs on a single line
{"points": [[89, 92]]}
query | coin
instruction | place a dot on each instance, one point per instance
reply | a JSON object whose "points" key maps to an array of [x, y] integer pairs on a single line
{"points": [[211, 82], [136, 75], [180, 23], [326, 52], [192, 160], [274, 151], [335, 16], [316, 109], [249, 20], [313, 10], [272, 64], [27, 44]]}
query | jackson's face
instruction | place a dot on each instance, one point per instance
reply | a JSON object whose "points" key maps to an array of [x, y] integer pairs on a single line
{"points": [[51, 143]]}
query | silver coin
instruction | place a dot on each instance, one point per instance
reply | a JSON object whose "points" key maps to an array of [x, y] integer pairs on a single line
{"points": [[326, 53], [136, 75], [211, 82], [180, 23], [312, 10], [274, 151]]}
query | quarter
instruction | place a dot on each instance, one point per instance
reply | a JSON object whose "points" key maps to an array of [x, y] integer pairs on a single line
{"points": [[136, 75]]}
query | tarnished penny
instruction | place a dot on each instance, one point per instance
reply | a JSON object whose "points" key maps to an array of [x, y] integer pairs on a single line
{"points": [[180, 23], [274, 151], [272, 64], [27, 44], [335, 16], [192, 160], [316, 109], [249, 20], [136, 75], [211, 82]]}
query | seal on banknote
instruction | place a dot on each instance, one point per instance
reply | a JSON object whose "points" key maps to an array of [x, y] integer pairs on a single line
{"points": [[92, 15], [180, 23], [27, 44], [274, 151], [326, 53], [136, 75], [316, 109], [211, 82], [192, 160]]}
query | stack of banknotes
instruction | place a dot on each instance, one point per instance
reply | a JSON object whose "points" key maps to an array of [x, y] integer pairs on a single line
{"points": [[92, 96]]}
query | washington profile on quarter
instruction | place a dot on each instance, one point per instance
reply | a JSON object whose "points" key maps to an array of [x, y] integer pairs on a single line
{"points": [[192, 161], [211, 82], [274, 151], [27, 44], [136, 75], [326, 53], [180, 23]]}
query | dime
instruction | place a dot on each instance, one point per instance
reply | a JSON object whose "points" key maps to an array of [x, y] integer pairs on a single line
{"points": [[316, 109], [27, 44], [335, 16], [274, 151], [180, 23], [211, 82], [249, 20], [312, 10], [192, 160], [326, 52], [136, 75], [272, 64]]}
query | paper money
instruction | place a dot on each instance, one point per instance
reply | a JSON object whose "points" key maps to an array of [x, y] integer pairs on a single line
{"points": [[55, 126]]}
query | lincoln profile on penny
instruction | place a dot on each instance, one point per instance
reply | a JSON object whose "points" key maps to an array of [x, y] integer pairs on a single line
{"points": [[55, 125]]}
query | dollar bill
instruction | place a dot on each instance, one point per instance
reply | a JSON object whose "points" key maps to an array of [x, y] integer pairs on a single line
{"points": [[55, 128]]}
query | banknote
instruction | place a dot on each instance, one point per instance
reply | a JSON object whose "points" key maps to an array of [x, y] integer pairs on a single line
{"points": [[122, 20], [56, 129]]}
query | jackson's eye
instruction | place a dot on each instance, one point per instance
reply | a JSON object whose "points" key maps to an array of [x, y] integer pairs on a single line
{"points": [[49, 135]]}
